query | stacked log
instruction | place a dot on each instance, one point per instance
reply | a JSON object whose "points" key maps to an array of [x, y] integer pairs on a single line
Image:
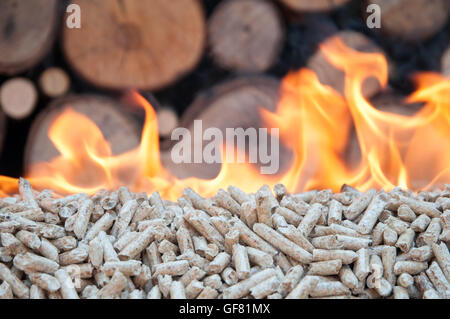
{"points": [[412, 20], [245, 35], [136, 44], [28, 30]]}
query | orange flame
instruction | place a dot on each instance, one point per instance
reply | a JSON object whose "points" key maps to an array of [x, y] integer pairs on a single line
{"points": [[315, 122]]}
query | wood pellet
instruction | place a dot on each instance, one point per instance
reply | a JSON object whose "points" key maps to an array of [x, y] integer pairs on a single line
{"points": [[270, 244]]}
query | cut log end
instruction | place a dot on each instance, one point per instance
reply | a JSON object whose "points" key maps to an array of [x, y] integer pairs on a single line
{"points": [[54, 82], [136, 44], [245, 35], [412, 20], [120, 130], [232, 104], [313, 5], [28, 30], [18, 97]]}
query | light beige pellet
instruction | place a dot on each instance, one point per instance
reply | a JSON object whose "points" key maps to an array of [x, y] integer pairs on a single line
{"points": [[138, 245], [242, 288], [226, 201], [304, 288], [431, 294], [265, 288], [82, 219], [359, 204], [67, 286], [431, 235], [124, 217], [229, 276], [282, 243], [48, 250], [296, 236], [438, 279], [346, 256], [405, 241], [405, 280], [329, 288], [204, 227], [390, 237], [154, 293], [177, 290], [421, 223], [127, 268], [372, 213], [241, 262], [194, 288], [231, 238], [259, 257], [251, 238], [410, 267], [17, 286], [219, 263], [184, 240], [310, 220], [96, 252], [400, 293], [74, 256], [406, 213], [292, 278], [103, 224], [29, 239], [443, 258], [361, 265], [325, 268], [6, 291], [388, 257], [65, 243], [208, 293], [36, 292], [114, 287], [194, 273], [109, 254], [347, 277], [45, 281], [30, 263], [249, 213], [174, 268], [420, 207]]}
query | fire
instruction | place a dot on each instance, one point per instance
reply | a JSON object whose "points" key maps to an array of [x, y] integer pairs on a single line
{"points": [[315, 122]]}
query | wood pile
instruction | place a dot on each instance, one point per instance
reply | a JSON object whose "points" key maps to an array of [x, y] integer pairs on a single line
{"points": [[162, 46]]}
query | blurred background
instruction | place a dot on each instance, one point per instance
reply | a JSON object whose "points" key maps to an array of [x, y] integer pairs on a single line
{"points": [[215, 60]]}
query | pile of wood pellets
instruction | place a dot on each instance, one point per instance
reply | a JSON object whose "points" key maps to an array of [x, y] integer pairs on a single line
{"points": [[270, 244]]}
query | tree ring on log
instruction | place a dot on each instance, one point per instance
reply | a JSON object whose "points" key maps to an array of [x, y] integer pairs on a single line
{"points": [[27, 31], [136, 44]]}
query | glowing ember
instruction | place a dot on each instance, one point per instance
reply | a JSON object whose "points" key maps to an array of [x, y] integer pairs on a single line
{"points": [[315, 123]]}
